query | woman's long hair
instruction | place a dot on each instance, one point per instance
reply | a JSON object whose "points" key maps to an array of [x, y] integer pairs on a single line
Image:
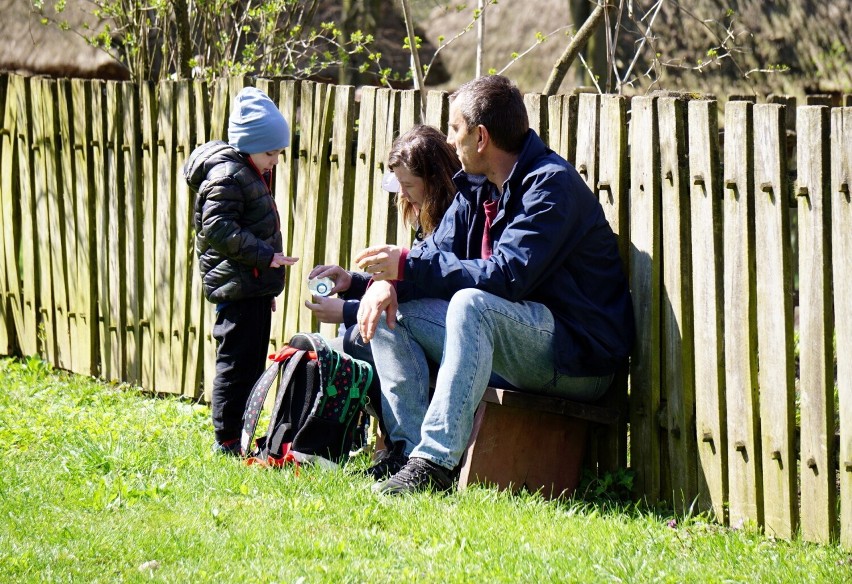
{"points": [[424, 151]]}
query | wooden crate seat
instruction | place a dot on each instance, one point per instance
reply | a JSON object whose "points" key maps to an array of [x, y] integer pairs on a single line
{"points": [[521, 440]]}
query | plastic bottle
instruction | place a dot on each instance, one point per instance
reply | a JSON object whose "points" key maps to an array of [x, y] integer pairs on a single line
{"points": [[320, 286]]}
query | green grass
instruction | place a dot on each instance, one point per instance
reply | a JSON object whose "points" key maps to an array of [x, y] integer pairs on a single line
{"points": [[101, 483]]}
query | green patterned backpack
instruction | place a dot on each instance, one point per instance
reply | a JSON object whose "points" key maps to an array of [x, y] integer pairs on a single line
{"points": [[320, 394]]}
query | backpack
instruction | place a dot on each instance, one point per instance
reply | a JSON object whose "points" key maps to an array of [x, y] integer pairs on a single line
{"points": [[320, 394]]}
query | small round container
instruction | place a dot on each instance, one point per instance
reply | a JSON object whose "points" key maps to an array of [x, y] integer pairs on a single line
{"points": [[320, 286]]}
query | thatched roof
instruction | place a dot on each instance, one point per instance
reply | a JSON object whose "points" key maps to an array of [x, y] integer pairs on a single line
{"points": [[30, 47]]}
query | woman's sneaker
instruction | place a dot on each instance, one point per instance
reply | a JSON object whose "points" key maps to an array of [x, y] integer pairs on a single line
{"points": [[417, 475], [228, 448], [388, 462]]}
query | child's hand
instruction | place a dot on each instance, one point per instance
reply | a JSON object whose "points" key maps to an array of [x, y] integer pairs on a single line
{"points": [[279, 259]]}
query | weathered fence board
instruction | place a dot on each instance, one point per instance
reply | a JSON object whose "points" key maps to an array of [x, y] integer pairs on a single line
{"points": [[84, 296], [610, 445], [774, 319], [562, 126], [409, 115], [285, 199], [645, 266], [24, 248], [437, 109], [745, 471], [128, 148], [705, 207], [536, 105], [184, 328], [198, 337], [364, 180], [62, 238], [67, 186], [312, 204], [678, 352], [341, 177], [52, 311], [111, 262], [7, 330], [586, 157], [168, 379], [148, 333], [816, 360], [383, 217], [841, 259]]}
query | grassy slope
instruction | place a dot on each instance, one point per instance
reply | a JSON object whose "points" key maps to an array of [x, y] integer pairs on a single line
{"points": [[100, 483]]}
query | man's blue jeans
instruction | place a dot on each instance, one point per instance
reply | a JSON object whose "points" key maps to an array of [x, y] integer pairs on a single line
{"points": [[472, 335]]}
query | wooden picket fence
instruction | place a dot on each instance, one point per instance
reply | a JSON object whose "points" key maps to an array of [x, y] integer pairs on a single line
{"points": [[735, 404]]}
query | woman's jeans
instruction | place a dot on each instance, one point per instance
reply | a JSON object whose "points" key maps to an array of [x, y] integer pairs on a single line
{"points": [[472, 335]]}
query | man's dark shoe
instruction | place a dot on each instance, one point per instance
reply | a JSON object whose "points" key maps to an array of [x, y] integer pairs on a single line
{"points": [[417, 475], [388, 462]]}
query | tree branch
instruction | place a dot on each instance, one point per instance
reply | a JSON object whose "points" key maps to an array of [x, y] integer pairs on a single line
{"points": [[577, 43]]}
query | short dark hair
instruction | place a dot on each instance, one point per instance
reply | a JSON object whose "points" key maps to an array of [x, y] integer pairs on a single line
{"points": [[495, 102], [424, 151]]}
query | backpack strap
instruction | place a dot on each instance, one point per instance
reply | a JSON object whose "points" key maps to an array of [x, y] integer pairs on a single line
{"points": [[258, 395], [276, 430]]}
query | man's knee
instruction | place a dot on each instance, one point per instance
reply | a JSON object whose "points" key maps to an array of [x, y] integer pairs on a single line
{"points": [[470, 301]]}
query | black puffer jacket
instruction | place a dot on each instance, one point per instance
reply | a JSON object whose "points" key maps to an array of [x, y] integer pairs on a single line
{"points": [[237, 229]]}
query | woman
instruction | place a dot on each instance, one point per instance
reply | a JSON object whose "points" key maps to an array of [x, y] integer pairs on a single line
{"points": [[422, 166]]}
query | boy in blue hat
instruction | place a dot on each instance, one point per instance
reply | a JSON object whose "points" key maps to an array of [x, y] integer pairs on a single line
{"points": [[240, 252]]}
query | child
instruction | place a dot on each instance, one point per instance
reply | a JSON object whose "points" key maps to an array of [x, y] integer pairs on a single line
{"points": [[240, 254]]}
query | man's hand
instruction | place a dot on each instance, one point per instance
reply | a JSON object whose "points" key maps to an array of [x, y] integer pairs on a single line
{"points": [[326, 309], [279, 259], [342, 279], [382, 261], [379, 299]]}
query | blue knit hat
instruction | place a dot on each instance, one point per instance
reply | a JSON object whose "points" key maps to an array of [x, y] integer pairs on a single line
{"points": [[255, 124]]}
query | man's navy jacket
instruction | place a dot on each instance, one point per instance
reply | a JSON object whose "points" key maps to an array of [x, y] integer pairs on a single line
{"points": [[552, 245]]}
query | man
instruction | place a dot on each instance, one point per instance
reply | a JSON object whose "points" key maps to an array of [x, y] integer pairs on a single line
{"points": [[522, 278]]}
